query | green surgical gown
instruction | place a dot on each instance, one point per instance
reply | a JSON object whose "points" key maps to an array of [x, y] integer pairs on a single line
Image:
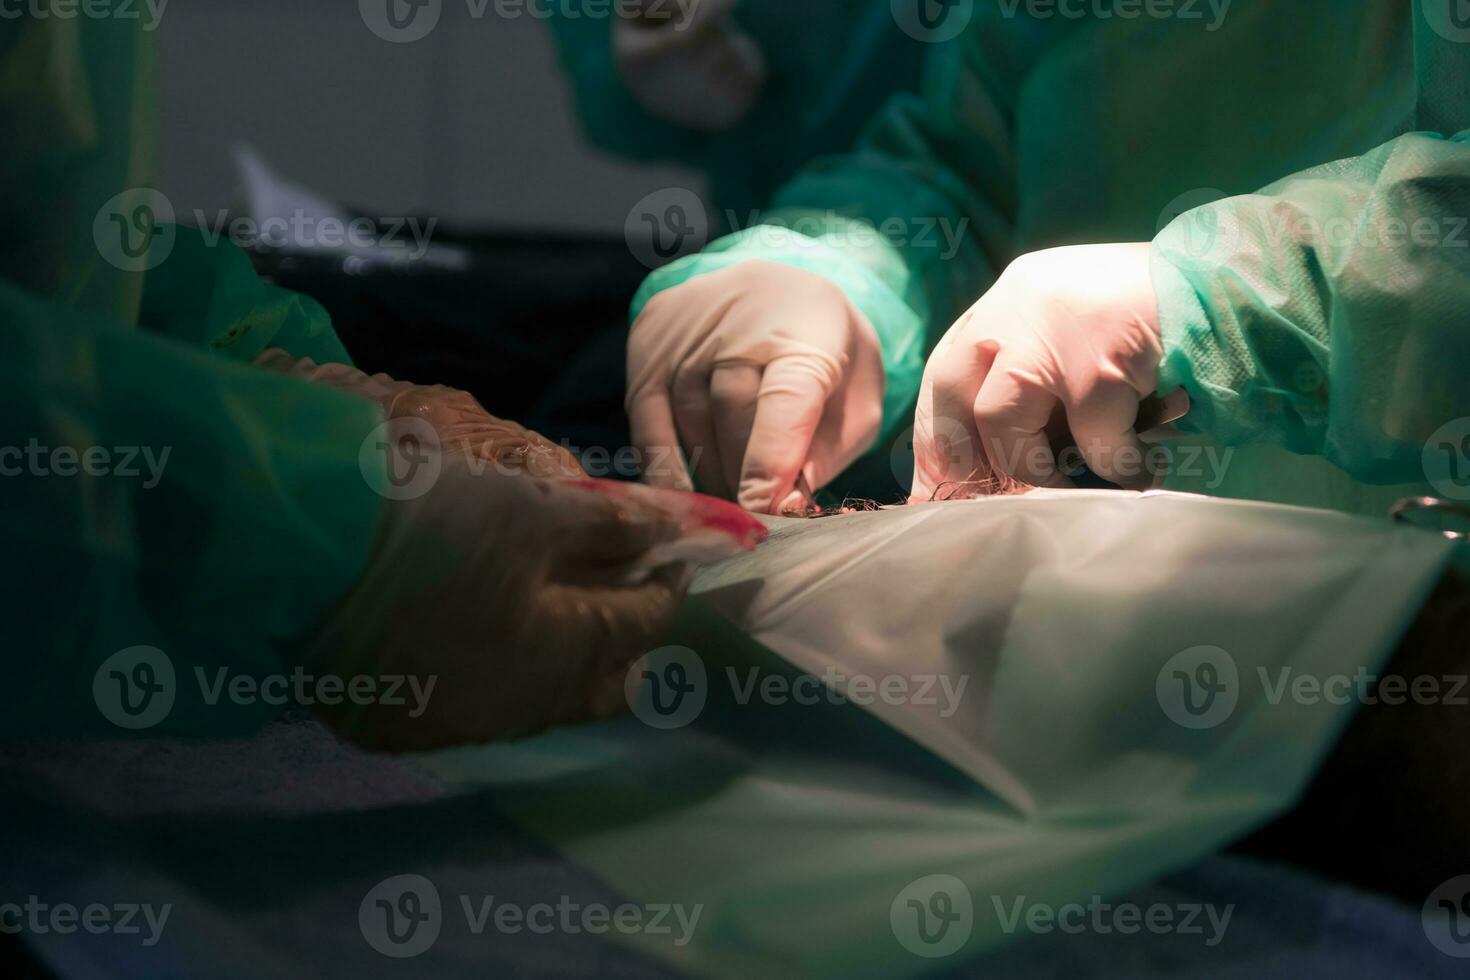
{"points": [[1291, 335], [155, 489]]}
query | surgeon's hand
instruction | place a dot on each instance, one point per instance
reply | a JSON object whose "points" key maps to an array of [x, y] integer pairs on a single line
{"points": [[689, 65], [761, 372], [1067, 338], [512, 590], [463, 427]]}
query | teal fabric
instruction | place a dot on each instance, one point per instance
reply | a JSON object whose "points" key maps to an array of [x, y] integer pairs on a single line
{"points": [[830, 68], [1326, 313], [229, 510]]}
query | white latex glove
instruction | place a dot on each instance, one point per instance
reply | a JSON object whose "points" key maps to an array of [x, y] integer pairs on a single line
{"points": [[522, 587], [689, 64], [761, 372], [1066, 335]]}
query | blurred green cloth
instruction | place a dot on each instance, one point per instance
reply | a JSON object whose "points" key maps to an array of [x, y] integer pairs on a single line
{"points": [[157, 489], [830, 66]]}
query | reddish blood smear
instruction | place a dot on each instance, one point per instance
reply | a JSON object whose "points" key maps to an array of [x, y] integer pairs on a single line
{"points": [[694, 512]]}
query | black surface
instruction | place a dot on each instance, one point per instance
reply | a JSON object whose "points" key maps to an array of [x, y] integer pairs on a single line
{"points": [[534, 327]]}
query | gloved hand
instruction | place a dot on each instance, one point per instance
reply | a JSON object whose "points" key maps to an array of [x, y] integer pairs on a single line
{"points": [[463, 426], [761, 372], [1065, 336], [510, 589], [692, 67]]}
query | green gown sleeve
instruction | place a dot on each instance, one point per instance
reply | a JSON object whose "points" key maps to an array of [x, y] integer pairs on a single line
{"points": [[162, 493], [915, 222], [156, 490], [1326, 314]]}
